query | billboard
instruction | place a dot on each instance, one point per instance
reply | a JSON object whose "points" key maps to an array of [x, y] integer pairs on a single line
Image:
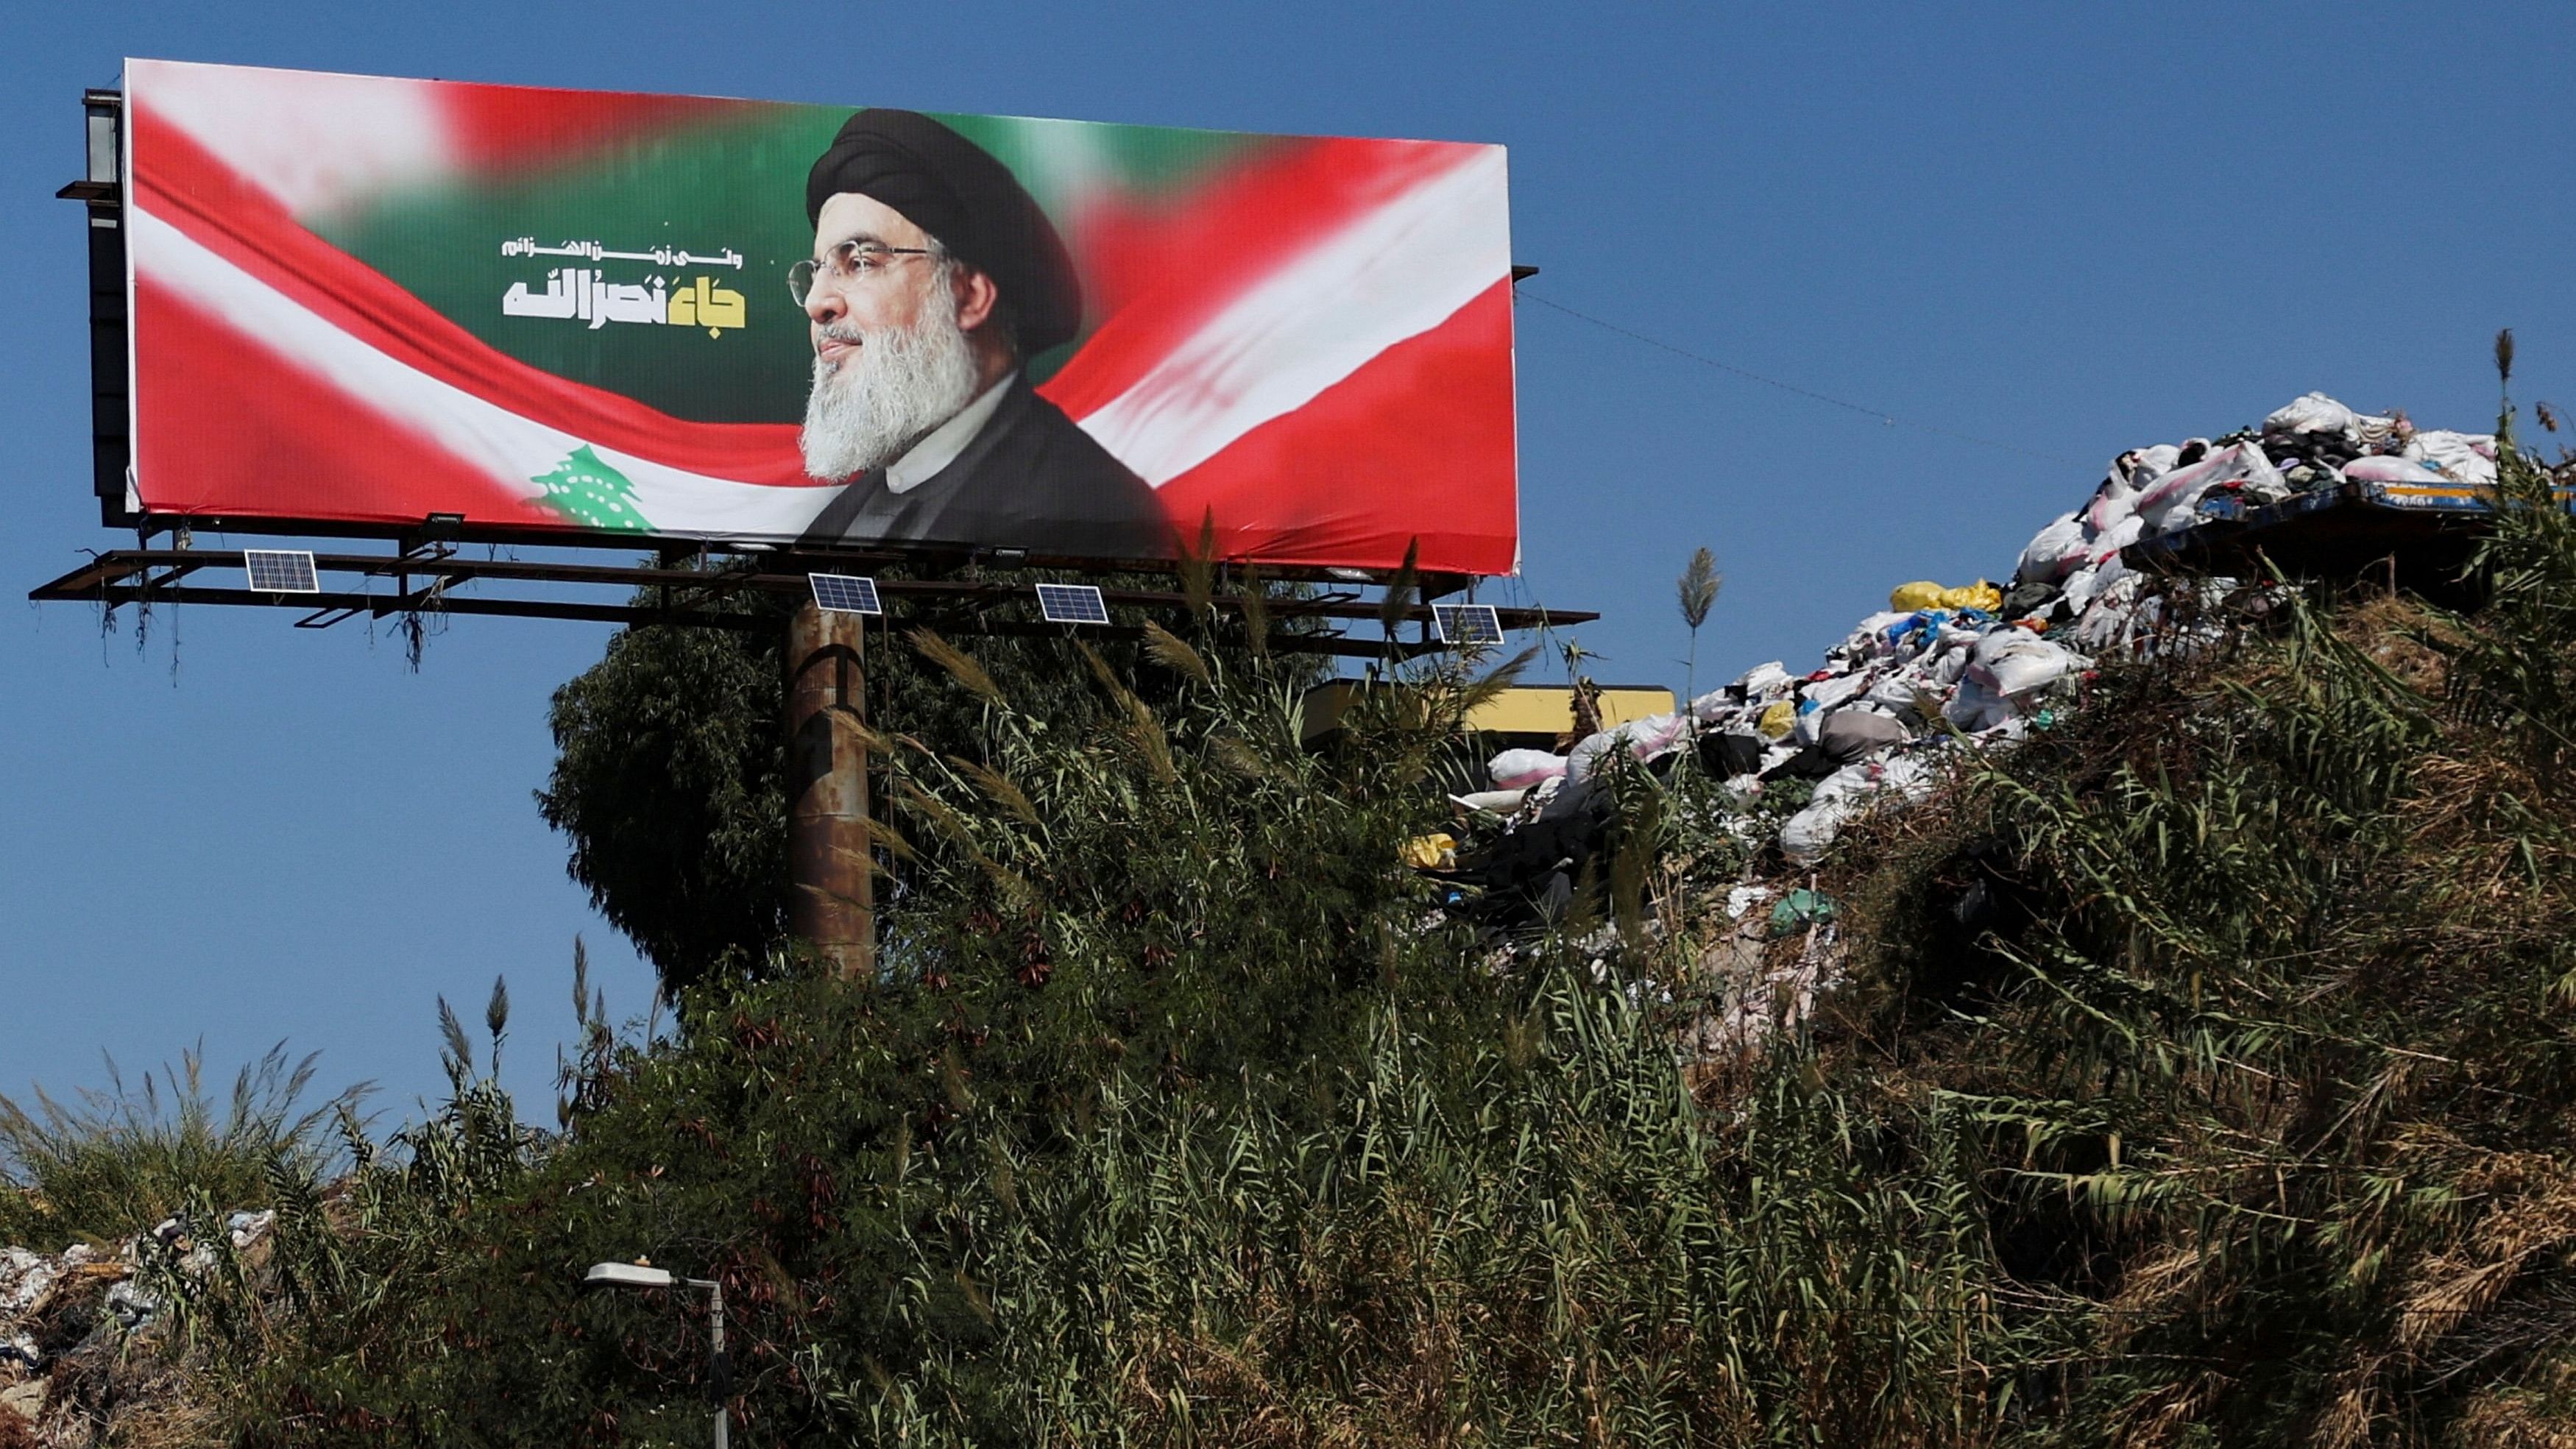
{"points": [[359, 301]]}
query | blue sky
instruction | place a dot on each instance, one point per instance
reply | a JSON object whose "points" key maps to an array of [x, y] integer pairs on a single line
{"points": [[2073, 229]]}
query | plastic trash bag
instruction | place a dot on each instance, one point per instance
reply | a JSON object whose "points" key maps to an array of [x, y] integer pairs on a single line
{"points": [[1799, 909], [2314, 412], [1762, 679], [2113, 504], [1924, 594], [1897, 691], [2178, 493], [1436, 851], [1830, 693], [2382, 469], [1520, 769], [1652, 737], [2104, 549], [2014, 662], [2460, 457], [1976, 706], [1843, 795], [1778, 720], [1810, 717], [2110, 614], [1715, 706], [1858, 732], [2053, 552]]}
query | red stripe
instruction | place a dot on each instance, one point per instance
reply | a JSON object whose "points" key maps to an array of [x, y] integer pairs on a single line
{"points": [[187, 186], [238, 430], [1164, 268], [497, 128], [1415, 444]]}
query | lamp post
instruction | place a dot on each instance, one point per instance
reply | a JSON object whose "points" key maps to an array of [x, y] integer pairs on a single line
{"points": [[719, 1368]]}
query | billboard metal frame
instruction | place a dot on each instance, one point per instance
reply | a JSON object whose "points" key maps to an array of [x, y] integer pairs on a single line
{"points": [[428, 566], [426, 580]]}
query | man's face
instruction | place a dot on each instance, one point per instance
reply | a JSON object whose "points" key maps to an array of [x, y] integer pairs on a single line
{"points": [[892, 359], [892, 297]]}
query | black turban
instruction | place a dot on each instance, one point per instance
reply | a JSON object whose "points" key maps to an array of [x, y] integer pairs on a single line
{"points": [[954, 189]]}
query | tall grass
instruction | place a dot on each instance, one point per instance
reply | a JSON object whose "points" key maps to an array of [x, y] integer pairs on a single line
{"points": [[2203, 1076], [116, 1161]]}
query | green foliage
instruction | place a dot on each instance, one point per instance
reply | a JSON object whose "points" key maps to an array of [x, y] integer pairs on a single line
{"points": [[116, 1162], [2271, 1061], [2202, 1073], [670, 768], [669, 787]]}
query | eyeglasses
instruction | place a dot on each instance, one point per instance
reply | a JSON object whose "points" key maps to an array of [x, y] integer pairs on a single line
{"points": [[845, 261]]}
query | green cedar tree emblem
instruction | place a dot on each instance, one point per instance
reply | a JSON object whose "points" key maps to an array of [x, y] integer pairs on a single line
{"points": [[588, 492]]}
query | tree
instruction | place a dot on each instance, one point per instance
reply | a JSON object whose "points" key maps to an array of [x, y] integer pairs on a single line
{"points": [[669, 775]]}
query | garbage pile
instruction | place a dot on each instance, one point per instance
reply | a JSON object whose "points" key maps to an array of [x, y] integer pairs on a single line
{"points": [[1941, 669], [71, 1324]]}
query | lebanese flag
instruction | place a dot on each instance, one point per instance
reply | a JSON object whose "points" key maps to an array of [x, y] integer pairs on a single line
{"points": [[1313, 348]]}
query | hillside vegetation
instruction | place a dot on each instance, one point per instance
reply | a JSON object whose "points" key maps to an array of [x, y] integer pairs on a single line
{"points": [[2199, 1073]]}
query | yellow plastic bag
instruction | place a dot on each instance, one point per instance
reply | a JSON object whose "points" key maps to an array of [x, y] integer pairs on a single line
{"points": [[1436, 851], [1925, 594], [1778, 720], [1979, 595]]}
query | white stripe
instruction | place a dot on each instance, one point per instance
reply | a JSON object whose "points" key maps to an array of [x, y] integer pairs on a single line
{"points": [[313, 140], [1396, 273], [511, 449]]}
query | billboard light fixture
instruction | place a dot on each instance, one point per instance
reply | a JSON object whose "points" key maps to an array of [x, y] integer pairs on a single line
{"points": [[281, 571], [845, 594], [1072, 604], [1467, 626]]}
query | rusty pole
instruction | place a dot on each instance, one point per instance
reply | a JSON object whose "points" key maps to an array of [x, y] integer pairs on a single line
{"points": [[831, 901]]}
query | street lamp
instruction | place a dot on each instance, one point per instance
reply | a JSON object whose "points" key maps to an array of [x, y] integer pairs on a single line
{"points": [[719, 1368]]}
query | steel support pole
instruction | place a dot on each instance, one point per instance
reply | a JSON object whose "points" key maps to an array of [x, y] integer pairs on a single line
{"points": [[831, 900]]}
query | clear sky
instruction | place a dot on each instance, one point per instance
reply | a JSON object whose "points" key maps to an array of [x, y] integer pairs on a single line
{"points": [[2070, 228]]}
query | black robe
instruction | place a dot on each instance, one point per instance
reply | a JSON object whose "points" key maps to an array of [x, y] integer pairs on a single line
{"points": [[1030, 479]]}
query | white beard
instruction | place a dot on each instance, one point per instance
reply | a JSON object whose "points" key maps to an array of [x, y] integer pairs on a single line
{"points": [[871, 407]]}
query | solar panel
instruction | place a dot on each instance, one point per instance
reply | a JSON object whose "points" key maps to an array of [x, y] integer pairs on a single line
{"points": [[1467, 625], [1072, 604], [280, 571], [845, 593]]}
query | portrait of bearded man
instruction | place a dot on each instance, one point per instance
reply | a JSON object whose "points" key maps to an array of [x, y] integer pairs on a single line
{"points": [[934, 278]]}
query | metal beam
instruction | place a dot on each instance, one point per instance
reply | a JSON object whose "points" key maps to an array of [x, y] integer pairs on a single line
{"points": [[150, 575]]}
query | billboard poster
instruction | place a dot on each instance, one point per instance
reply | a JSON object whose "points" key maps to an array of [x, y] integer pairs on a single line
{"points": [[360, 301]]}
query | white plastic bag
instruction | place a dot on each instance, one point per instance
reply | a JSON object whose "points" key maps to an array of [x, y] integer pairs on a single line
{"points": [[2111, 505], [2315, 412], [2053, 552], [2383, 469], [1976, 706], [2176, 494], [2460, 457], [2014, 662], [1762, 679], [2106, 548], [1826, 694], [1844, 794], [1652, 737], [2110, 616], [2312, 412], [1520, 769]]}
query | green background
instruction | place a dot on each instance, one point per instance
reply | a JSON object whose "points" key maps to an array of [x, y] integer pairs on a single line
{"points": [[737, 183]]}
